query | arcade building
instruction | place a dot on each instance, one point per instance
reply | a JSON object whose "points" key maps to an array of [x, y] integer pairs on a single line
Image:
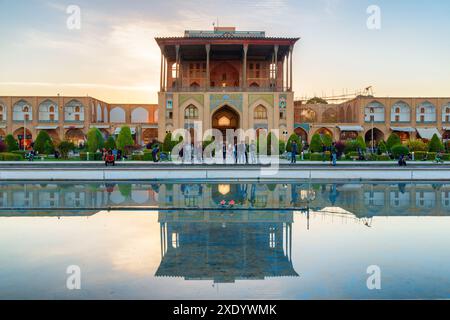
{"points": [[225, 79]]}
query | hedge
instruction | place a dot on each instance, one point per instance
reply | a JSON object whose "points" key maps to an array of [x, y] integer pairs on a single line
{"points": [[399, 150], [21, 153], [138, 157], [420, 155], [9, 156], [92, 157], [383, 157], [320, 156]]}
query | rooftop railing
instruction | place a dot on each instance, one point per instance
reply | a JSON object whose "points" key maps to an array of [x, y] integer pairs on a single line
{"points": [[228, 89]]}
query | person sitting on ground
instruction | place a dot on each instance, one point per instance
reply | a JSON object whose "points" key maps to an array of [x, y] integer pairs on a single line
{"points": [[110, 159], [438, 158]]}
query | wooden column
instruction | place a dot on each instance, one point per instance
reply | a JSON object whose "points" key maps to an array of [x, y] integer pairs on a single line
{"points": [[161, 76], [208, 74], [291, 49], [177, 66], [275, 54], [244, 69]]}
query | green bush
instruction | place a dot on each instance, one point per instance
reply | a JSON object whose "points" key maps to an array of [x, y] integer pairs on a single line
{"points": [[420, 155], [8, 156], [65, 147], [351, 155], [125, 139], [316, 144], [435, 145], [393, 141], [110, 143], [417, 145], [21, 153], [49, 148], [281, 146], [431, 156], [382, 148], [147, 156], [354, 145], [383, 157], [137, 157], [399, 150], [11, 143], [295, 138], [446, 157], [95, 140], [42, 139], [316, 157]]}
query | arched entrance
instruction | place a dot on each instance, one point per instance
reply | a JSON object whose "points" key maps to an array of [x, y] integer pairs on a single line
{"points": [[76, 136], [378, 136], [302, 134], [2, 135], [325, 131], [446, 135], [24, 137], [149, 135], [226, 118]]}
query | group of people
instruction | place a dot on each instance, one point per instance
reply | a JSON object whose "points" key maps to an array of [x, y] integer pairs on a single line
{"points": [[237, 153], [111, 156]]}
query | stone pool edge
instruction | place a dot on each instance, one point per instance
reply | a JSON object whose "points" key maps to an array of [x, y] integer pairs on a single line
{"points": [[217, 173]]}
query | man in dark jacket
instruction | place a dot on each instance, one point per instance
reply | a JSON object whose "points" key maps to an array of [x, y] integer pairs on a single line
{"points": [[294, 151]]}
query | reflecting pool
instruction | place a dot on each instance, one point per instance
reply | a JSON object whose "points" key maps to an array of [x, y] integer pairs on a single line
{"points": [[245, 240]]}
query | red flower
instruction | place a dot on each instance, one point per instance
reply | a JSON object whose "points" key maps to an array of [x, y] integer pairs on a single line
{"points": [[223, 202], [232, 203]]}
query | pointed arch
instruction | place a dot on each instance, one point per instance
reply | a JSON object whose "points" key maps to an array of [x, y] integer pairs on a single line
{"points": [[48, 111]]}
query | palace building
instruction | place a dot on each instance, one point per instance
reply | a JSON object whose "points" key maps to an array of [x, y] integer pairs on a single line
{"points": [[226, 79], [70, 118]]}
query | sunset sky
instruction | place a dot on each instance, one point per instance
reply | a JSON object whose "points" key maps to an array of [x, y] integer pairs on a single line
{"points": [[114, 57]]}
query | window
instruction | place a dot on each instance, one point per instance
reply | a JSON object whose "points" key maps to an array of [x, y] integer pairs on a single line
{"points": [[191, 112], [224, 122], [169, 115], [273, 71], [260, 112], [175, 68]]}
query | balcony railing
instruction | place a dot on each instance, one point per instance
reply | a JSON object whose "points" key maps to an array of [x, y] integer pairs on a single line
{"points": [[228, 89]]}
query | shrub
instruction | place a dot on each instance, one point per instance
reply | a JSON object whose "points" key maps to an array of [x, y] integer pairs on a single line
{"points": [[281, 146], [95, 140], [21, 153], [147, 156], [3, 147], [41, 140], [399, 150], [435, 145], [11, 143], [93, 156], [65, 147], [420, 155], [354, 145], [316, 144], [383, 157], [49, 148], [110, 143], [307, 156], [446, 157], [137, 157], [295, 138], [316, 157], [392, 141], [382, 148], [351, 155], [361, 143], [417, 145], [125, 139], [8, 156], [431, 156]]}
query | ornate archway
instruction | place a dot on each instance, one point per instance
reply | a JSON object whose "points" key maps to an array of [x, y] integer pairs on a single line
{"points": [[378, 136], [226, 118], [302, 134], [23, 137]]}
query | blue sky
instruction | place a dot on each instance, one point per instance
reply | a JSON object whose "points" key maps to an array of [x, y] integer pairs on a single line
{"points": [[114, 57]]}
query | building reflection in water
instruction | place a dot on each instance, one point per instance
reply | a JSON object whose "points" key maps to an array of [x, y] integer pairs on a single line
{"points": [[225, 247]]}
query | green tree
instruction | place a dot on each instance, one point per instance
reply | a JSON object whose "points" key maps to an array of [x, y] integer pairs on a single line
{"points": [[382, 148], [316, 100], [125, 139], [417, 145], [11, 143], [435, 144], [41, 140], [168, 144], [110, 143], [95, 140], [392, 141], [316, 143], [272, 144], [291, 139], [65, 147], [361, 143], [327, 140], [49, 148], [399, 150]]}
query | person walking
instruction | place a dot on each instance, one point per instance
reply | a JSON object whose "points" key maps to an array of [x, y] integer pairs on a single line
{"points": [[294, 151], [241, 153], [155, 152]]}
